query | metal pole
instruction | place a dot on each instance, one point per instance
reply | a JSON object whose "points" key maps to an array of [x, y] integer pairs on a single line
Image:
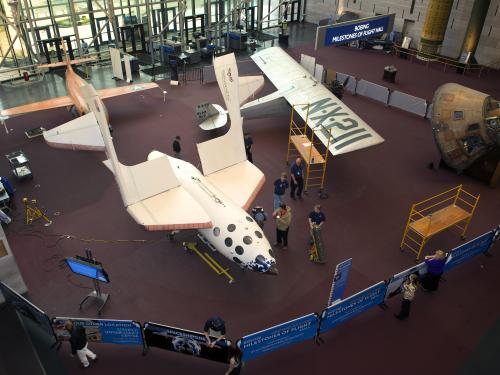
{"points": [[111, 16], [32, 30], [74, 19], [150, 32]]}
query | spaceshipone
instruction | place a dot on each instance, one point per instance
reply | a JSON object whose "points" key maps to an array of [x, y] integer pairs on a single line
{"points": [[181, 197]]}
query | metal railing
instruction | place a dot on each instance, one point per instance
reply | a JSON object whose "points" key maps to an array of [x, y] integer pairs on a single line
{"points": [[439, 61]]}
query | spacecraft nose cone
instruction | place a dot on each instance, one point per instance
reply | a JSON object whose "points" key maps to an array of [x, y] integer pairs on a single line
{"points": [[273, 270]]}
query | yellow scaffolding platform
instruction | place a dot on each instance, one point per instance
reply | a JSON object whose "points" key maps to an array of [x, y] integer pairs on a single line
{"points": [[301, 143], [429, 217], [211, 262]]}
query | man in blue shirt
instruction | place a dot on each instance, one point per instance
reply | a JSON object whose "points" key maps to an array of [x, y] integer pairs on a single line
{"points": [[280, 185], [296, 179], [316, 219]]}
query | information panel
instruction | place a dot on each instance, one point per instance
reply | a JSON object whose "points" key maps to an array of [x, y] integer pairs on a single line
{"points": [[339, 280], [26, 308], [185, 342], [346, 32], [468, 250], [396, 281], [279, 336], [348, 308], [106, 331]]}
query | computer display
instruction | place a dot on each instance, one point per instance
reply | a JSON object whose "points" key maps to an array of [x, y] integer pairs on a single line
{"points": [[88, 269]]}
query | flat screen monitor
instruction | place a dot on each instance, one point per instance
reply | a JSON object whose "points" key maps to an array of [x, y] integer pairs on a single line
{"points": [[88, 269]]}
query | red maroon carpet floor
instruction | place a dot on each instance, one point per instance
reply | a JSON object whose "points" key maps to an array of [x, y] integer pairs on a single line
{"points": [[370, 194]]}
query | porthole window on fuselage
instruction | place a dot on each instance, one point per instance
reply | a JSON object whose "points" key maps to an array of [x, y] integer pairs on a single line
{"points": [[231, 227], [247, 240], [249, 219], [258, 234], [216, 231], [239, 250], [228, 241]]}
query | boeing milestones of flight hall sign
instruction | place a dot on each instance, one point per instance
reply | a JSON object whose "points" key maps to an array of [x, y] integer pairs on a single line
{"points": [[346, 32]]}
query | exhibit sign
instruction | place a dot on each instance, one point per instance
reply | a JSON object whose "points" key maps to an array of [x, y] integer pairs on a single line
{"points": [[26, 308], [348, 308], [395, 282], [280, 336], [107, 331], [468, 250], [185, 342], [345, 32], [339, 280]]}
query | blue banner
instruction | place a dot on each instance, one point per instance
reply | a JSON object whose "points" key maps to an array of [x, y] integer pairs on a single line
{"points": [[340, 280], [344, 310], [106, 331], [468, 250], [279, 336], [347, 32], [395, 282]]}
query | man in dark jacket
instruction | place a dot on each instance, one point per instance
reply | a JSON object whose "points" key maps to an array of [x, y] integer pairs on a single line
{"points": [[79, 344]]}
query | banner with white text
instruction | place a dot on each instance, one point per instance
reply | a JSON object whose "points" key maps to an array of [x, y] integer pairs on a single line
{"points": [[348, 308], [339, 280], [345, 32], [468, 250], [277, 337]]}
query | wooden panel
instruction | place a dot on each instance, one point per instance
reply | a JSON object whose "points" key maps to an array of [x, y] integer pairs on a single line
{"points": [[303, 145], [439, 221]]}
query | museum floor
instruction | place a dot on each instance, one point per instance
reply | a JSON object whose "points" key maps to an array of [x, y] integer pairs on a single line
{"points": [[370, 194]]}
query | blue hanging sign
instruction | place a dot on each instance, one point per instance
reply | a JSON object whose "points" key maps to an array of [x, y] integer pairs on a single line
{"points": [[110, 331], [348, 308], [468, 250], [339, 280], [279, 336], [346, 32]]}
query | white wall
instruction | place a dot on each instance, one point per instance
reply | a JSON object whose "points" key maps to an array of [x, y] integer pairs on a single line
{"points": [[489, 45]]}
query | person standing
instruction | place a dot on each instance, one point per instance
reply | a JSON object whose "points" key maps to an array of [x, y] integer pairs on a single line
{"points": [[79, 344], [296, 179], [215, 327], [435, 267], [409, 288], [280, 185], [176, 145], [316, 220], [283, 216], [235, 356], [248, 146]]}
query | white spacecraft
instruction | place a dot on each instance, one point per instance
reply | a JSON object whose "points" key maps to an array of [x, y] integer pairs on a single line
{"points": [[181, 197]]}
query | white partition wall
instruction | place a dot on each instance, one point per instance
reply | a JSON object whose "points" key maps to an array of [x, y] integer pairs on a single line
{"points": [[408, 103], [372, 91], [116, 62]]}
